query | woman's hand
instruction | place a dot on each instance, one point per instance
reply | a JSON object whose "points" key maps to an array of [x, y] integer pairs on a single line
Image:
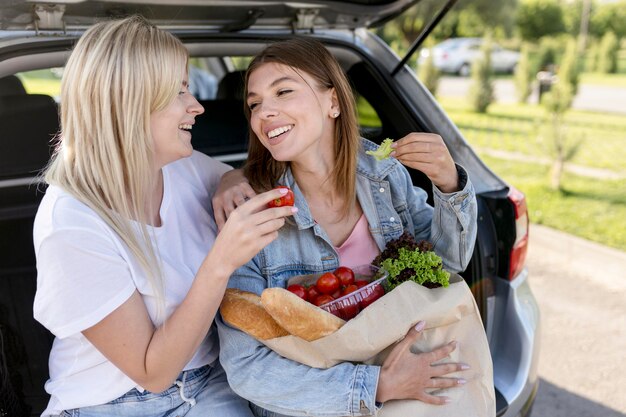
{"points": [[232, 191], [249, 228], [428, 153], [407, 375]]}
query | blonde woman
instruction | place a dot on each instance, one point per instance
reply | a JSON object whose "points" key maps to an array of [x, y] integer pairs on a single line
{"points": [[130, 268]]}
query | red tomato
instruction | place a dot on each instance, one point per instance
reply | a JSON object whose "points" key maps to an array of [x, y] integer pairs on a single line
{"points": [[347, 290], [361, 283], [312, 293], [345, 275], [336, 294], [286, 200], [323, 299], [328, 283], [377, 291], [349, 312], [299, 290]]}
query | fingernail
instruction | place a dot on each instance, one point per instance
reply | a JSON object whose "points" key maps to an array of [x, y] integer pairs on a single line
{"points": [[283, 190], [447, 400], [465, 367], [455, 344], [420, 326], [461, 381], [393, 153], [294, 209]]}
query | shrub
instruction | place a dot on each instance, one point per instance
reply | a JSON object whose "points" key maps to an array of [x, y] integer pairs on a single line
{"points": [[429, 75], [481, 87], [523, 76], [607, 56]]}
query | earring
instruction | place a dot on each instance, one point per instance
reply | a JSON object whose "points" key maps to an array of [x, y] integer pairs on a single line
{"points": [[336, 114]]}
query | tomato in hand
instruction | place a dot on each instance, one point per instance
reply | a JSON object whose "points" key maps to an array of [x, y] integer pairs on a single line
{"points": [[345, 275], [323, 299], [374, 294], [299, 290], [328, 283], [286, 200]]}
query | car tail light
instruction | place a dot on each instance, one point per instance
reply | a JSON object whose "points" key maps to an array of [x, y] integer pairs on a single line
{"points": [[517, 258]]}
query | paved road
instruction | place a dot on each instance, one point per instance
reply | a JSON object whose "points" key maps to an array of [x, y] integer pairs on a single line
{"points": [[581, 290], [589, 97]]}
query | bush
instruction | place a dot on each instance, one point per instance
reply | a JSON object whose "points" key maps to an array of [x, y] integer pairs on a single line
{"points": [[607, 56], [429, 75], [569, 68], [481, 88], [523, 76], [538, 18]]}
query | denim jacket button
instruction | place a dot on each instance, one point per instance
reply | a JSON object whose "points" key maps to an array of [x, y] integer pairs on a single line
{"points": [[392, 219], [381, 189]]}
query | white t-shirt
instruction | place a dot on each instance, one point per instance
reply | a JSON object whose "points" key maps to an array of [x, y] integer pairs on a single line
{"points": [[85, 272]]}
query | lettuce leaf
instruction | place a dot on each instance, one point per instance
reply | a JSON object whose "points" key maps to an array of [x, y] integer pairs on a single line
{"points": [[383, 151]]}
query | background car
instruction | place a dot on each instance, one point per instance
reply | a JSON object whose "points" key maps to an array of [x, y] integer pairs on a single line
{"points": [[456, 55], [221, 38]]}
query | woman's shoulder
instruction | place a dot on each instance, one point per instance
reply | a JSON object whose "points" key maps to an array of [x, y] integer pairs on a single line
{"points": [[201, 165]]}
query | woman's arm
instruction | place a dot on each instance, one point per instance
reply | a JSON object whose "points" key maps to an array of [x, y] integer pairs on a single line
{"points": [[452, 225], [153, 357], [232, 191]]}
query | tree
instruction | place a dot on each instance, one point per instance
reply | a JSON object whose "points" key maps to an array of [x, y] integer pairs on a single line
{"points": [[429, 75], [569, 68], [609, 17], [538, 18], [561, 145], [523, 76], [607, 55], [481, 87]]}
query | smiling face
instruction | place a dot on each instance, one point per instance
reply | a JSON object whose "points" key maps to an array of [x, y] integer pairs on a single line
{"points": [[292, 117], [170, 127]]}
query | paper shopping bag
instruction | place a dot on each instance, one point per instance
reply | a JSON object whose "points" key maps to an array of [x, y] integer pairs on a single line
{"points": [[450, 314]]}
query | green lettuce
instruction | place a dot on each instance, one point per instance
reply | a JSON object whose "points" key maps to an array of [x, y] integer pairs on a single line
{"points": [[406, 260], [383, 151]]}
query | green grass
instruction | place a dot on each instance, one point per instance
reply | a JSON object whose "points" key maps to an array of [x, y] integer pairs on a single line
{"points": [[517, 128], [589, 208]]}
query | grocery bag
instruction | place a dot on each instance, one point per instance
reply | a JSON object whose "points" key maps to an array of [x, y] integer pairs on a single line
{"points": [[450, 314]]}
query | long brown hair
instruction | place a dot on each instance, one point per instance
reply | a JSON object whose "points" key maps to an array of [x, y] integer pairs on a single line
{"points": [[310, 56]]}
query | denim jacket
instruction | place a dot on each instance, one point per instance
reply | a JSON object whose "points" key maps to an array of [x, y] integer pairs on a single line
{"points": [[391, 205]]}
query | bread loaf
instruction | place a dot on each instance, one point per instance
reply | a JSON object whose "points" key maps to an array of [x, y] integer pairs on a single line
{"points": [[297, 316], [244, 311]]}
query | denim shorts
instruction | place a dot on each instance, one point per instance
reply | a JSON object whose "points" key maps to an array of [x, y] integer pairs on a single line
{"points": [[200, 392]]}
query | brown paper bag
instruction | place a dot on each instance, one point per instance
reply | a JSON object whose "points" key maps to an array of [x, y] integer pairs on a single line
{"points": [[450, 314]]}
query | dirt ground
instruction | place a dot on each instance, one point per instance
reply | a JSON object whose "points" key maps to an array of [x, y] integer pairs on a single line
{"points": [[581, 290]]}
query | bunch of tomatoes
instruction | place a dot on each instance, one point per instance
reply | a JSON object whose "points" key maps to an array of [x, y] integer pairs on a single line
{"points": [[333, 285]]}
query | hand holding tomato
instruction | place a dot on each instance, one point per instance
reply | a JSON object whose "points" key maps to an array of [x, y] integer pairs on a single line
{"points": [[285, 200]]}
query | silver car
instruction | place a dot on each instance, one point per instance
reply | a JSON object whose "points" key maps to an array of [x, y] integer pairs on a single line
{"points": [[456, 56], [221, 36]]}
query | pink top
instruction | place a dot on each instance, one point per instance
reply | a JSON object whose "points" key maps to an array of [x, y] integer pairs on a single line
{"points": [[360, 247]]}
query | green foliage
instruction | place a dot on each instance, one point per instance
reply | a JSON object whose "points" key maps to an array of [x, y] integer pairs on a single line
{"points": [[538, 18], [591, 56], [424, 267], [569, 67], [481, 87], [523, 76], [607, 56], [429, 75], [609, 17], [547, 55]]}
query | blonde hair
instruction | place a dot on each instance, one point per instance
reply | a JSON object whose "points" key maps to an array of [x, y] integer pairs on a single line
{"points": [[312, 57], [118, 74]]}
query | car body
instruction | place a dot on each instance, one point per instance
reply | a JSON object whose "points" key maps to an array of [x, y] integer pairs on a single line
{"points": [[221, 37], [456, 55]]}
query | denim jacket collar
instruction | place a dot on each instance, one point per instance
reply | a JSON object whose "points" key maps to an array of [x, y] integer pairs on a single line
{"points": [[367, 166]]}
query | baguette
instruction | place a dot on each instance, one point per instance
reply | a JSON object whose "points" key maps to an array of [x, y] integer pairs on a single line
{"points": [[243, 310], [297, 316]]}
